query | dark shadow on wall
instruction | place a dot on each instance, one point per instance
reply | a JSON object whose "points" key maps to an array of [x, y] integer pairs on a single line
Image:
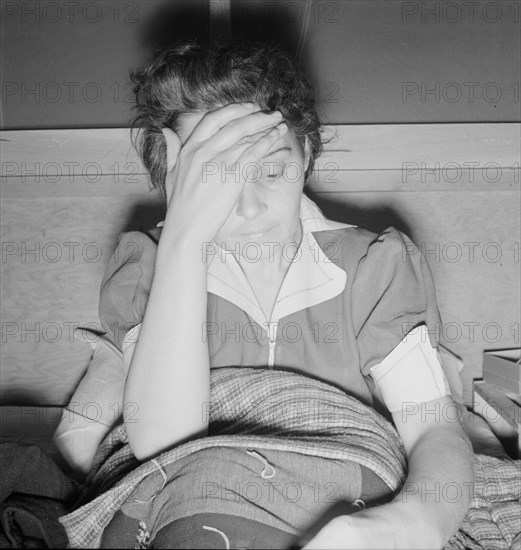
{"points": [[202, 21], [374, 218], [145, 216], [268, 21], [179, 20]]}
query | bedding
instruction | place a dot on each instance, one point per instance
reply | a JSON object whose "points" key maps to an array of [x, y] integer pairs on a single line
{"points": [[95, 405], [82, 427], [275, 410]]}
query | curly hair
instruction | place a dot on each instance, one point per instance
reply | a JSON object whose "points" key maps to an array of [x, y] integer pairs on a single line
{"points": [[186, 77]]}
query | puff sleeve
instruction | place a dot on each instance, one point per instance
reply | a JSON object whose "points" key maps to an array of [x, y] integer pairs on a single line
{"points": [[393, 292], [126, 284]]}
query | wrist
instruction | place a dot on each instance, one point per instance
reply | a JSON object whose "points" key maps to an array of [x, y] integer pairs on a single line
{"points": [[181, 250], [182, 227], [396, 525], [377, 527]]}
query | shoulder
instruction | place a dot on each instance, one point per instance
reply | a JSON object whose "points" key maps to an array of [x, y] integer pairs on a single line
{"points": [[126, 282], [353, 246], [135, 251]]}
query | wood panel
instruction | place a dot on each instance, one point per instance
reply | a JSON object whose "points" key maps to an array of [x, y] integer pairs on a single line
{"points": [[41, 154], [469, 228], [390, 61], [66, 64], [54, 255]]}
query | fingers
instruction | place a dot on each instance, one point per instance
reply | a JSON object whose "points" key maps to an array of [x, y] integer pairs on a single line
{"points": [[213, 121], [220, 129], [235, 131], [256, 146]]}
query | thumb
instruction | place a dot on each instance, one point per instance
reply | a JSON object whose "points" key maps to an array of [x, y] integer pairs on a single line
{"points": [[173, 146]]}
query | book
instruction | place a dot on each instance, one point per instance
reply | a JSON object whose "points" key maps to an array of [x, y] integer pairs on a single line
{"points": [[502, 414], [502, 368]]}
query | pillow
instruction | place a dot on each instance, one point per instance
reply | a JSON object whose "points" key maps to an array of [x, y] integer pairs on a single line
{"points": [[96, 405], [126, 283]]}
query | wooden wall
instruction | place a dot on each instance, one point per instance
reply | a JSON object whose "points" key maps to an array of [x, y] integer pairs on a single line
{"points": [[66, 64], [67, 194]]}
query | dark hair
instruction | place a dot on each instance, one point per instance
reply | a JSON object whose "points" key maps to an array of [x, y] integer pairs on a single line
{"points": [[187, 77]]}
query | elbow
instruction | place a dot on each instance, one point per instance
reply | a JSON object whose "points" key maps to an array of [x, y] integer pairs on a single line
{"points": [[147, 444], [465, 448]]}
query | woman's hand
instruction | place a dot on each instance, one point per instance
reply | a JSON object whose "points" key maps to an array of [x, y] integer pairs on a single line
{"points": [[366, 530], [206, 174], [341, 533]]}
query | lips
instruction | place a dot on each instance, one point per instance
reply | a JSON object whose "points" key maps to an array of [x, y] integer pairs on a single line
{"points": [[255, 232]]}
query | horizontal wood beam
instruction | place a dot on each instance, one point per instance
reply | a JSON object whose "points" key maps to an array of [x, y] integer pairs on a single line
{"points": [[353, 147]]}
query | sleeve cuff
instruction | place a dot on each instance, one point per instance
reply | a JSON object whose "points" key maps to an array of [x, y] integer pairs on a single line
{"points": [[411, 373]]}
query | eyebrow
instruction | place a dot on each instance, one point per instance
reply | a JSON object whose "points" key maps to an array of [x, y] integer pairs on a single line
{"points": [[277, 151]]}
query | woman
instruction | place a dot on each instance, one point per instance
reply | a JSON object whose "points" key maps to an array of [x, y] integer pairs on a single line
{"points": [[229, 136]]}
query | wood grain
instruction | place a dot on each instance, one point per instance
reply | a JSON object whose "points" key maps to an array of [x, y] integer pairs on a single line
{"points": [[350, 147]]}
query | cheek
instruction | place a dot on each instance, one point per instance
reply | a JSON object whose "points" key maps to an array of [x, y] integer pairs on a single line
{"points": [[294, 172], [292, 185], [286, 209]]}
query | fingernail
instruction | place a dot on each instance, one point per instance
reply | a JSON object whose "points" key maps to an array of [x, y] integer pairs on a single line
{"points": [[276, 114], [282, 127], [249, 105]]}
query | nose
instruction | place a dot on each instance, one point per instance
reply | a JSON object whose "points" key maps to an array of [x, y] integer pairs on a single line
{"points": [[251, 204]]}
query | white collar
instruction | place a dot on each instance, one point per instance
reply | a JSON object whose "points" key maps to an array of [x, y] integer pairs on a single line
{"points": [[311, 279]]}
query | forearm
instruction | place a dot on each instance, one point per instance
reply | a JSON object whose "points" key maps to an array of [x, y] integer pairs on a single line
{"points": [[169, 375], [434, 499]]}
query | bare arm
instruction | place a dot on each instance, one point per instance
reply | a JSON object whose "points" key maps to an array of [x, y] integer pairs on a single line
{"points": [[439, 484], [432, 503], [436, 495], [169, 375]]}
